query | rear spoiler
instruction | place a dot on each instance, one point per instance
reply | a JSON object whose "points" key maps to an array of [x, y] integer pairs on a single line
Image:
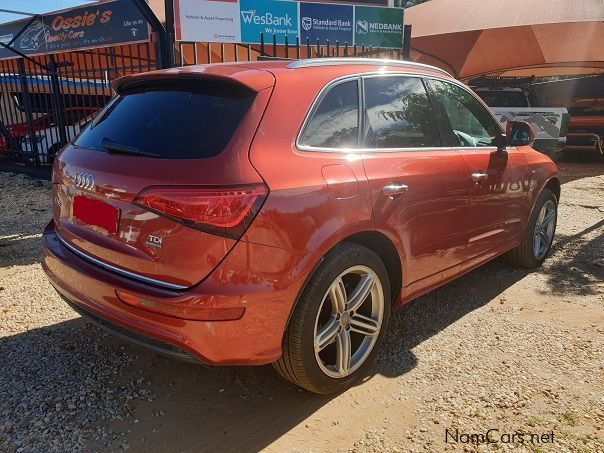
{"points": [[252, 79]]}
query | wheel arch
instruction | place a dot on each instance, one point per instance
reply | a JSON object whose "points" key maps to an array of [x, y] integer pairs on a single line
{"points": [[385, 249], [378, 243], [553, 184]]}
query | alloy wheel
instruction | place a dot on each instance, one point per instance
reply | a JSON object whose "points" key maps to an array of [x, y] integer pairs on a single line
{"points": [[349, 321], [544, 230]]}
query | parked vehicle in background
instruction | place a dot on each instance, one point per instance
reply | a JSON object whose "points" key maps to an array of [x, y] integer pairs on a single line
{"points": [[274, 212], [46, 134], [584, 97], [81, 97], [586, 128], [513, 99]]}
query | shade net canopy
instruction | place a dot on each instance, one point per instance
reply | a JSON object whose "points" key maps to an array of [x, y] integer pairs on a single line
{"points": [[509, 37]]}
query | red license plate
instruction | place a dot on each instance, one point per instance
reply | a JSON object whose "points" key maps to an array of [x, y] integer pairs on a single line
{"points": [[96, 213]]}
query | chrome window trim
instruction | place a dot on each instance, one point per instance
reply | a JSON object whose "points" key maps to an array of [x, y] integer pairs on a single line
{"points": [[317, 62], [359, 150], [117, 270]]}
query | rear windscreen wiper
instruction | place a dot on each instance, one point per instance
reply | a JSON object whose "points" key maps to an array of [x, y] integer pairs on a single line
{"points": [[125, 149]]}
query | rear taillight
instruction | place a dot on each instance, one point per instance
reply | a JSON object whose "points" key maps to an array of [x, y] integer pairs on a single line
{"points": [[227, 211]]}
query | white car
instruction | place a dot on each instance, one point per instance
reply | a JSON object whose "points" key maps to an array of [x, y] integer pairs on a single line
{"points": [[47, 138]]}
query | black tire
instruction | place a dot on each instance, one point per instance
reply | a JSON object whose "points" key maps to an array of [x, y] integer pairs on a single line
{"points": [[524, 255], [298, 363], [600, 148]]}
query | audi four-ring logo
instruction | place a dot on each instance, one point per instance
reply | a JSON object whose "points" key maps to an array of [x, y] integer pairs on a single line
{"points": [[84, 180]]}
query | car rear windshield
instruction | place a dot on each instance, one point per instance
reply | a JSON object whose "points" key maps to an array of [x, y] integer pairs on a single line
{"points": [[189, 120]]}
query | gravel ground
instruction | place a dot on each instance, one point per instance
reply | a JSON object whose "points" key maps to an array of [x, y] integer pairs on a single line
{"points": [[502, 349]]}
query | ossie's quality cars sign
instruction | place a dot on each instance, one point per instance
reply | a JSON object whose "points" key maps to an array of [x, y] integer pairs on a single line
{"points": [[244, 20], [96, 25]]}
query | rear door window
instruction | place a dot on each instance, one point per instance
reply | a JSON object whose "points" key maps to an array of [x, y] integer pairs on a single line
{"points": [[398, 114], [334, 123], [173, 121]]}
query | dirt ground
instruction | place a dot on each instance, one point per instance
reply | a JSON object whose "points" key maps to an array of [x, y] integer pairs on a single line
{"points": [[500, 349]]}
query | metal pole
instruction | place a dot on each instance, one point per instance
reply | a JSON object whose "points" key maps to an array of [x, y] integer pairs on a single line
{"points": [[161, 46], [57, 97], [170, 31], [407, 42], [28, 111]]}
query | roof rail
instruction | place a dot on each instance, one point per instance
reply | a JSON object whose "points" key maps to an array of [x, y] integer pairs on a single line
{"points": [[312, 62]]}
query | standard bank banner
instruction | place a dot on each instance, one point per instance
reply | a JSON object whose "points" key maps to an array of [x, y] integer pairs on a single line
{"points": [[242, 21]]}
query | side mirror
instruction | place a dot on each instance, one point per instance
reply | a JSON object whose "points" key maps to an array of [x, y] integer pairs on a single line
{"points": [[519, 133]]}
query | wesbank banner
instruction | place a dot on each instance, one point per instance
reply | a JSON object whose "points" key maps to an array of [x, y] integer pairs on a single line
{"points": [[242, 21], [268, 17]]}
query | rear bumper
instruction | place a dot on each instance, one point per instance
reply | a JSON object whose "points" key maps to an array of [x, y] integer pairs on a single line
{"points": [[161, 347], [264, 280]]}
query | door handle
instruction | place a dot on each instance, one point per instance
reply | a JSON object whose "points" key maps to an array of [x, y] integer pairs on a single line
{"points": [[395, 189], [479, 176]]}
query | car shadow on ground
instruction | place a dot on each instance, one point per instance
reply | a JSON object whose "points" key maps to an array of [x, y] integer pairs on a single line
{"points": [[196, 407], [581, 267], [20, 249], [152, 403]]}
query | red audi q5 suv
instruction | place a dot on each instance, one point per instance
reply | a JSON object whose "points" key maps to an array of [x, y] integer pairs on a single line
{"points": [[274, 212]]}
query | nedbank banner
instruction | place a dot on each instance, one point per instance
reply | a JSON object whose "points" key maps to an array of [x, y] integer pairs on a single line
{"points": [[243, 21], [378, 27]]}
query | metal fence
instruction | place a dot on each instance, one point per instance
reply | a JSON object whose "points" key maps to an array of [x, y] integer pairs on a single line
{"points": [[191, 53], [46, 100]]}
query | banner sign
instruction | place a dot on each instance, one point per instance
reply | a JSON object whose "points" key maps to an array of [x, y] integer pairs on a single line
{"points": [[218, 22], [324, 21], [97, 25], [268, 17], [378, 27], [242, 21]]}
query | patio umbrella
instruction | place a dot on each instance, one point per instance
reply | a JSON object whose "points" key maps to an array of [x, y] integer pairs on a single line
{"points": [[509, 37]]}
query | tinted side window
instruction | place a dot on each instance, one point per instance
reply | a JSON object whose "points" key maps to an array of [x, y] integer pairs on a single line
{"points": [[470, 123], [335, 122], [398, 114], [175, 121]]}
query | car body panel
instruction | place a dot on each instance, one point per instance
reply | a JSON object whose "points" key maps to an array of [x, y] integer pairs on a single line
{"points": [[315, 200], [437, 189], [119, 178], [264, 280], [499, 205]]}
